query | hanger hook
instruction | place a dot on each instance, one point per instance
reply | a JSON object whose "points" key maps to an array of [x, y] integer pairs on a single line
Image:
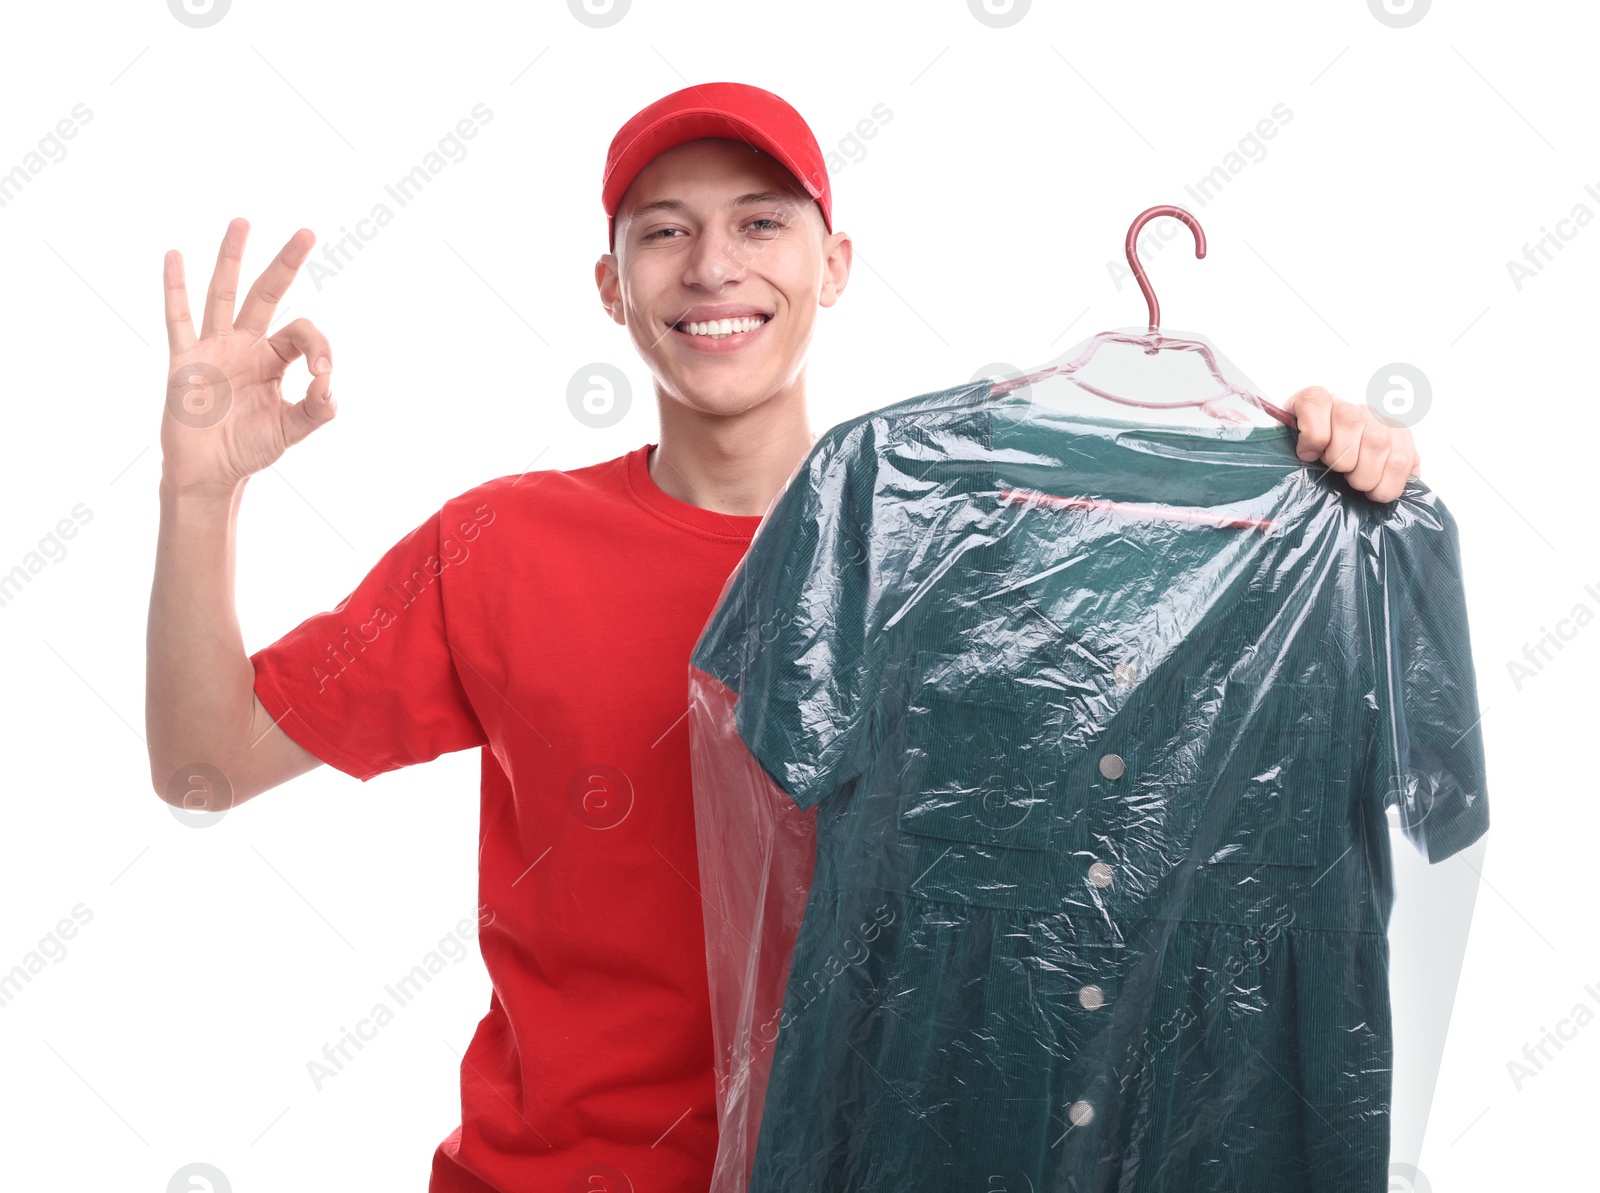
{"points": [[1132, 249]]}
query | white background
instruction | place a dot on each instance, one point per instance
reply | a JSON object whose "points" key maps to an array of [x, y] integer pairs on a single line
{"points": [[985, 213]]}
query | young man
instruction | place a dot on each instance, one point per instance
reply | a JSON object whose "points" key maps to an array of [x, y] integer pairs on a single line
{"points": [[548, 618]]}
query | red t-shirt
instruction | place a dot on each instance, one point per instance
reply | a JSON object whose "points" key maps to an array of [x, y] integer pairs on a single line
{"points": [[549, 618]]}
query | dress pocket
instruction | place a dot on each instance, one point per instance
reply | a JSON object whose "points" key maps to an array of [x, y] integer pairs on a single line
{"points": [[972, 771], [1269, 764]]}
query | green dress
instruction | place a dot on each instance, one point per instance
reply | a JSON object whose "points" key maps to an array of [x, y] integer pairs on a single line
{"points": [[1101, 723]]}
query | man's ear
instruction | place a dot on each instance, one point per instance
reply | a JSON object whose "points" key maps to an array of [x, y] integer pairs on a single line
{"points": [[835, 267], [608, 281]]}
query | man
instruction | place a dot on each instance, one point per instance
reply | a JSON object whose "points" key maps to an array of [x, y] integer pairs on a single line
{"points": [[548, 618]]}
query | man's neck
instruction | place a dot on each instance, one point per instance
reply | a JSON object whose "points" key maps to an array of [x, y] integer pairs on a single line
{"points": [[733, 465]]}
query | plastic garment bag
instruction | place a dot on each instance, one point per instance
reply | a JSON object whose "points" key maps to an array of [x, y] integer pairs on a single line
{"points": [[1042, 755]]}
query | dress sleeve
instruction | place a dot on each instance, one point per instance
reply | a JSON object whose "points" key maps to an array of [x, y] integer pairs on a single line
{"points": [[1428, 756], [371, 684], [792, 637]]}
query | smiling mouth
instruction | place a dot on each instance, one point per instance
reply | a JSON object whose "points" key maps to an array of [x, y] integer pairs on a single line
{"points": [[721, 329]]}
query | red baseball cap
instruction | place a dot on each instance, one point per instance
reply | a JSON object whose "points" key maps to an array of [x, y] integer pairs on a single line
{"points": [[736, 111]]}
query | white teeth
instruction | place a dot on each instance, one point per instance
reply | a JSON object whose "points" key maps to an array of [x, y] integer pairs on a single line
{"points": [[718, 328]]}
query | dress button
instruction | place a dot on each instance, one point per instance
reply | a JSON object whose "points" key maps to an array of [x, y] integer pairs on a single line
{"points": [[1081, 1113], [1111, 766], [1100, 875], [1091, 998]]}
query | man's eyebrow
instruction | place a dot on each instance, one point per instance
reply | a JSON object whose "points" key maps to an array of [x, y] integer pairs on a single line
{"points": [[753, 197]]}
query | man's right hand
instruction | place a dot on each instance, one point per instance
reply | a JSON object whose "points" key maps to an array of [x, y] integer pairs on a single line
{"points": [[225, 415], [225, 418]]}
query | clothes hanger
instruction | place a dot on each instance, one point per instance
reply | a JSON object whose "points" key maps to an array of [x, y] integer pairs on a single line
{"points": [[1153, 341]]}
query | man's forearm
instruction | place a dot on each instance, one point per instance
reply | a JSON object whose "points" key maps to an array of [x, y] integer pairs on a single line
{"points": [[198, 679]]}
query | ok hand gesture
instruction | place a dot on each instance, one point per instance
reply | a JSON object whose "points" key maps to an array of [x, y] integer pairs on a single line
{"points": [[225, 415]]}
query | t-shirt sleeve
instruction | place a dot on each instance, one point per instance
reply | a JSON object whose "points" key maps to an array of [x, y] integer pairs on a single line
{"points": [[1428, 754], [792, 634], [371, 685]]}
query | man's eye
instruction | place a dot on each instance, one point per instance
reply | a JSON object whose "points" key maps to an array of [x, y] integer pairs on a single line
{"points": [[762, 223]]}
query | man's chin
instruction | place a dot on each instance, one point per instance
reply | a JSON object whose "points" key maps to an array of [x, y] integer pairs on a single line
{"points": [[720, 400]]}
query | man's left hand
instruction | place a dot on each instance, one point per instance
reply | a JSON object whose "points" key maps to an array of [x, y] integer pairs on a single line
{"points": [[1375, 457]]}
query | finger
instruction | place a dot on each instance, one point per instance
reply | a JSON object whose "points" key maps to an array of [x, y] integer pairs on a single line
{"points": [[1403, 448], [225, 281], [256, 313], [1395, 474], [180, 326], [311, 411], [1346, 424], [1310, 408], [1404, 463], [300, 337], [1372, 458]]}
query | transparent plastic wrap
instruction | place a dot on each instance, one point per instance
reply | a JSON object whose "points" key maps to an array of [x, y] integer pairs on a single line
{"points": [[1042, 753]]}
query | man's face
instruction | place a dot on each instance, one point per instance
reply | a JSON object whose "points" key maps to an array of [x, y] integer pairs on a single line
{"points": [[712, 230]]}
